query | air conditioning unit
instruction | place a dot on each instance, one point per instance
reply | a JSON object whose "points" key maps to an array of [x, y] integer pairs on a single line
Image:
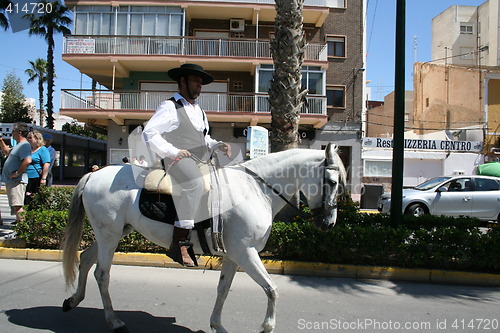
{"points": [[237, 25]]}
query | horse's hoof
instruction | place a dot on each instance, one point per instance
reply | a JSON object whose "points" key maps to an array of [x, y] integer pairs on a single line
{"points": [[121, 329], [66, 305]]}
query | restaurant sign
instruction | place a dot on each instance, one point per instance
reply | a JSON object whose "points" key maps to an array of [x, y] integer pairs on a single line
{"points": [[421, 144]]}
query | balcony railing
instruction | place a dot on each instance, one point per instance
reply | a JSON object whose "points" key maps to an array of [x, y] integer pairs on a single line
{"points": [[150, 100], [316, 3], [189, 46]]}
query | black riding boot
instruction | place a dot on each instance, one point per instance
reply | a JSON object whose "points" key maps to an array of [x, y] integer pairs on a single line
{"points": [[181, 249]]}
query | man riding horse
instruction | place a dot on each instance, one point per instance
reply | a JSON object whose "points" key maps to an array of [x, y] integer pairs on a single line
{"points": [[177, 131]]}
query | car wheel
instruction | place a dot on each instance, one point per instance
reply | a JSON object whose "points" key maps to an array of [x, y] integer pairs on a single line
{"points": [[416, 210]]}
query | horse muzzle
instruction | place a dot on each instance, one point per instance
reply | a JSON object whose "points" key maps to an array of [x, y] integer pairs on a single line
{"points": [[325, 219]]}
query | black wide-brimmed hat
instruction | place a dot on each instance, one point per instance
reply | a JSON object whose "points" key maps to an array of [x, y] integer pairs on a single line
{"points": [[190, 69]]}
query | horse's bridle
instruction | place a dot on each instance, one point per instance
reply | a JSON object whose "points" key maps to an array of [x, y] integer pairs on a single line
{"points": [[314, 211], [324, 204]]}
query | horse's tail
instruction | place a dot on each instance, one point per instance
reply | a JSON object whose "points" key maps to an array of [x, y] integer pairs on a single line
{"points": [[73, 232]]}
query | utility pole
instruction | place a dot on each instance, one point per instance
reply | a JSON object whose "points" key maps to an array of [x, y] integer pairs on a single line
{"points": [[399, 117]]}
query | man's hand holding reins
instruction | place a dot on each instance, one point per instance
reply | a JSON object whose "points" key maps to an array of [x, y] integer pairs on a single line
{"points": [[183, 153], [226, 148]]}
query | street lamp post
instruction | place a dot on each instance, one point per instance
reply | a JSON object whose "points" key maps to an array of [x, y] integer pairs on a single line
{"points": [[399, 117]]}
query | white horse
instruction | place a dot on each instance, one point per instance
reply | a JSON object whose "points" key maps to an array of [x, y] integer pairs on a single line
{"points": [[110, 199]]}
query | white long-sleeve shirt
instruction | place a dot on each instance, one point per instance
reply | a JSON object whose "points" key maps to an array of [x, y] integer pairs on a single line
{"points": [[165, 120]]}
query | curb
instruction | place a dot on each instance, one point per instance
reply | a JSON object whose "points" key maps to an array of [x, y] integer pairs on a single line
{"points": [[281, 267]]}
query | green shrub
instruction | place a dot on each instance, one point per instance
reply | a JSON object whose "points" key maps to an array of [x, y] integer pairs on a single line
{"points": [[44, 229], [46, 216], [370, 239], [52, 198]]}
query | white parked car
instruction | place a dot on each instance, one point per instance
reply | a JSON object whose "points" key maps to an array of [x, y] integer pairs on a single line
{"points": [[475, 196]]}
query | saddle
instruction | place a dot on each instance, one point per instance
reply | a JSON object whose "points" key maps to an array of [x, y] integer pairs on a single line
{"points": [[156, 203], [159, 181]]}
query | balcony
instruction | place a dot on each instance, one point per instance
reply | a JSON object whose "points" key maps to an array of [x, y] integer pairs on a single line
{"points": [[179, 46], [315, 3], [99, 106]]}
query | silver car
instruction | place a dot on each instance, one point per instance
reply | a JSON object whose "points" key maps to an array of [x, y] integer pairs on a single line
{"points": [[475, 196]]}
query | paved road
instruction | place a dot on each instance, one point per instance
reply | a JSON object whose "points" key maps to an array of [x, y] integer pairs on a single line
{"points": [[179, 300]]}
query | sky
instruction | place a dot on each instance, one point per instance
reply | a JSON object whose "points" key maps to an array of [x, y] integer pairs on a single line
{"points": [[381, 33], [19, 48]]}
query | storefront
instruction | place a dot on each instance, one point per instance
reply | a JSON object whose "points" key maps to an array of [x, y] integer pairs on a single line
{"points": [[423, 159]]}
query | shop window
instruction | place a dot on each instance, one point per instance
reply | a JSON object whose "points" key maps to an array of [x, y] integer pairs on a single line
{"points": [[377, 169]]}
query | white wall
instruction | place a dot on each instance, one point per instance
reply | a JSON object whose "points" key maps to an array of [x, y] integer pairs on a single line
{"points": [[417, 171], [462, 162]]}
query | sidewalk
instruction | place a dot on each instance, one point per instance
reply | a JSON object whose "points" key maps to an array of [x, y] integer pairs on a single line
{"points": [[7, 217]]}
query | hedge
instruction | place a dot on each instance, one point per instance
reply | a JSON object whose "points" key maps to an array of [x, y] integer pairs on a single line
{"points": [[358, 238], [45, 218]]}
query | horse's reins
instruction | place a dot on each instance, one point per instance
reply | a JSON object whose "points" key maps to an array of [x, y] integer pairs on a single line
{"points": [[288, 202]]}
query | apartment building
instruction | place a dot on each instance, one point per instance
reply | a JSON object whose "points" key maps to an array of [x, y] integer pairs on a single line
{"points": [[467, 35], [128, 46]]}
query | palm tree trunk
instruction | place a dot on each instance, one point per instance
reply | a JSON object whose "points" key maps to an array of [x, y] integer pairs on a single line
{"points": [[286, 95], [50, 77], [40, 99]]}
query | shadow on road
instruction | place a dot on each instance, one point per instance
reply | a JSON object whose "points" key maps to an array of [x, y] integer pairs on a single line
{"points": [[413, 289], [83, 320]]}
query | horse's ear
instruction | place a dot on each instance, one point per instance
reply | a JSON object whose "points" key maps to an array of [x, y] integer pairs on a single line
{"points": [[331, 149]]}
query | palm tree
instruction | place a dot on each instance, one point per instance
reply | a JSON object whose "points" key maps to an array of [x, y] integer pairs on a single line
{"points": [[286, 94], [38, 71], [4, 22], [46, 25]]}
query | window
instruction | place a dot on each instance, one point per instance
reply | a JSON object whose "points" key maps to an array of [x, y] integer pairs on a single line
{"points": [[486, 185], [116, 155], [466, 28], [74, 159], [265, 75], [313, 78], [335, 96], [377, 169], [336, 46], [458, 185], [129, 20]]}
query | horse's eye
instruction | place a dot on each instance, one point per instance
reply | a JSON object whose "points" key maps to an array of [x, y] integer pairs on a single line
{"points": [[332, 182]]}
